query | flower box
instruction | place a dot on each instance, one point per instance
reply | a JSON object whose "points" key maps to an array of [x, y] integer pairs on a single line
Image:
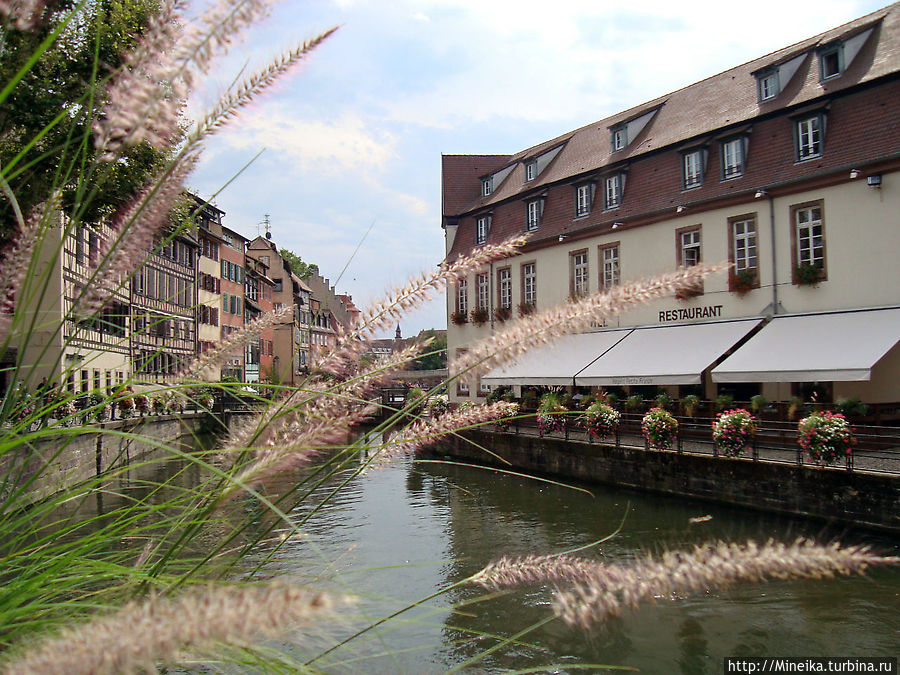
{"points": [[825, 437], [734, 431], [660, 429]]}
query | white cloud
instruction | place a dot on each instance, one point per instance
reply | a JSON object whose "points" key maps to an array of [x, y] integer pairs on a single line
{"points": [[323, 146]]}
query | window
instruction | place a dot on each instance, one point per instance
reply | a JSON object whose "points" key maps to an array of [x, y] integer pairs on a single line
{"points": [[692, 169], [534, 214], [831, 62], [689, 247], [809, 137], [733, 158], [529, 289], [583, 199], [487, 186], [531, 170], [462, 296], [609, 262], [768, 85], [483, 284], [482, 227], [743, 239], [504, 288], [579, 280], [619, 138], [809, 238], [613, 192]]}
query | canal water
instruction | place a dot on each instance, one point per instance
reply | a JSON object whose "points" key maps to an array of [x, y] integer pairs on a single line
{"points": [[395, 535]]}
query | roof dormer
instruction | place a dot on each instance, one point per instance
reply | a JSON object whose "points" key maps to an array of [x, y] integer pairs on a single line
{"points": [[623, 133]]}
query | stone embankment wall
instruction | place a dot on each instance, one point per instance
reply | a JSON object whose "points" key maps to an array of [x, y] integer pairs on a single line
{"points": [[68, 458], [859, 498]]}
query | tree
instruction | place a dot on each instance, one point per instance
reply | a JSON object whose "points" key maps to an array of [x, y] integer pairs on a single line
{"points": [[435, 357], [298, 267], [53, 106]]}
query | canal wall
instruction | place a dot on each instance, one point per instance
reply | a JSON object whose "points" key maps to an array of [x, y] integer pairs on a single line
{"points": [[57, 461], [859, 498]]}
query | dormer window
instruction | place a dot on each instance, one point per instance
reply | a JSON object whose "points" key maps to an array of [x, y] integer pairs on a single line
{"points": [[768, 85], [534, 209], [692, 163], [619, 138], [733, 157], [584, 198], [530, 170], [487, 186], [613, 187], [831, 61]]}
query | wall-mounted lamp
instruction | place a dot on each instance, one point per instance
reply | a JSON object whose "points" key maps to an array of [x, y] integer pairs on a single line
{"points": [[616, 226], [680, 208], [854, 173], [874, 180], [562, 237], [760, 194]]}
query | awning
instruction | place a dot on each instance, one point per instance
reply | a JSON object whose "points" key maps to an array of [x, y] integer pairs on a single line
{"points": [[665, 354], [557, 362], [840, 346]]}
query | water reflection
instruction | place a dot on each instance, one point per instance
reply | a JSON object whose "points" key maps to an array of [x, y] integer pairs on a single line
{"points": [[396, 535]]}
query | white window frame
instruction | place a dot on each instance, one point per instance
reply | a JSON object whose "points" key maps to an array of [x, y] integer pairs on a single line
{"points": [[609, 259], [504, 287], [580, 272], [530, 170], [612, 191], [690, 248], [744, 244], [809, 137], [482, 229], [583, 199], [692, 169], [487, 186], [810, 235], [733, 158], [529, 283], [619, 138], [769, 85], [533, 215], [462, 296], [483, 284]]}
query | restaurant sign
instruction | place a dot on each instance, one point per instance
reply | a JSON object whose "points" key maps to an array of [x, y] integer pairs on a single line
{"points": [[690, 313]]}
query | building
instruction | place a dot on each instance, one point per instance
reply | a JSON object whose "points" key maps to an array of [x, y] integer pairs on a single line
{"points": [[233, 280], [259, 354], [209, 278], [787, 166]]}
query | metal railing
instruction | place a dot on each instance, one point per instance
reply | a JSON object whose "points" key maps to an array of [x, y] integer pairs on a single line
{"points": [[877, 447]]}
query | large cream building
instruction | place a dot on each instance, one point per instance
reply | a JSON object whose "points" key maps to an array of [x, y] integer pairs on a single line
{"points": [[787, 166]]}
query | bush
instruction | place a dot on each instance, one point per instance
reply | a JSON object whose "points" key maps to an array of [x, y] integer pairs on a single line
{"points": [[758, 402], [659, 428], [600, 420], [724, 401], [851, 407], [825, 437], [734, 431]]}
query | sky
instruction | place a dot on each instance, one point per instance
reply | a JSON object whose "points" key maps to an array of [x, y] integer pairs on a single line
{"points": [[349, 173]]}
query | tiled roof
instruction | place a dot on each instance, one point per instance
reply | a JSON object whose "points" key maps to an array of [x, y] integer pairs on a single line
{"points": [[720, 102]]}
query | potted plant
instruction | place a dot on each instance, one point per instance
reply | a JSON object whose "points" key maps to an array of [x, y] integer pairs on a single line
{"points": [[503, 423], [125, 406], [794, 407], [550, 413], [851, 407], [158, 403], [526, 308], [758, 402], [634, 403], [438, 405], [690, 403], [142, 404], [724, 401], [808, 275], [743, 282], [600, 420], [663, 400], [825, 437], [458, 318], [479, 315], [502, 313], [734, 431], [660, 429]]}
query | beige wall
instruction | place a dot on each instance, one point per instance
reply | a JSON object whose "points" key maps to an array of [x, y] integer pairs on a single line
{"points": [[862, 240]]}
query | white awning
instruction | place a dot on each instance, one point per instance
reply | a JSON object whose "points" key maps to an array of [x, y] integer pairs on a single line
{"points": [[665, 354], [841, 346], [557, 362]]}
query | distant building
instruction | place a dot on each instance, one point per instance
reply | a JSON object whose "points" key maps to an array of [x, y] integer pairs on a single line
{"points": [[787, 166]]}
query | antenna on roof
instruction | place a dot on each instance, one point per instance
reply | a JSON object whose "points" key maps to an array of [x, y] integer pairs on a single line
{"points": [[268, 225]]}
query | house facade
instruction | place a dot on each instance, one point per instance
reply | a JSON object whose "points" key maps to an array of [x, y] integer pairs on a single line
{"points": [[787, 167]]}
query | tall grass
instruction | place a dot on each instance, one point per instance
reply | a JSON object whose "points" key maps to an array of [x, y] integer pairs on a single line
{"points": [[99, 576]]}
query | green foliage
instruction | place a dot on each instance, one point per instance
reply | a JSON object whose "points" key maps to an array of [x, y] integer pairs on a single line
{"points": [[758, 402], [634, 402], [663, 400], [851, 407], [298, 267], [724, 401], [435, 357], [690, 403]]}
